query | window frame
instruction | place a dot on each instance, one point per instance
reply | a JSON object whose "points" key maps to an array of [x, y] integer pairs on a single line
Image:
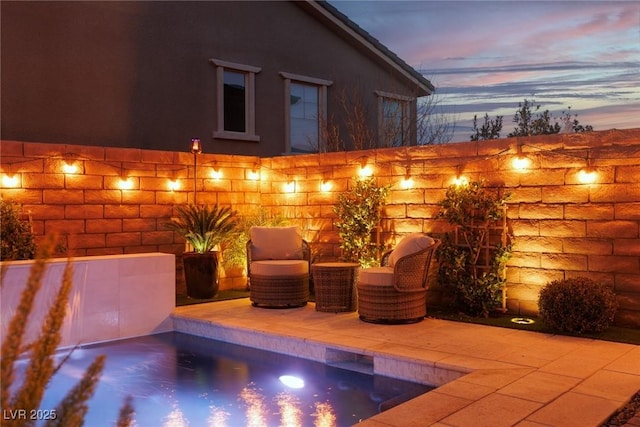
{"points": [[323, 86], [250, 100], [405, 103]]}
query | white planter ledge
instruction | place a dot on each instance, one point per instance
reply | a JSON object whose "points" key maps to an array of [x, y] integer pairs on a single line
{"points": [[113, 296]]}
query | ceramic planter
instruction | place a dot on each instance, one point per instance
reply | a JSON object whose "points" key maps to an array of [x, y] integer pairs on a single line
{"points": [[201, 274]]}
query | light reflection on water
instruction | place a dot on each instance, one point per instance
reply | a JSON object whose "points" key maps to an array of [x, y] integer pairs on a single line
{"points": [[181, 380]]}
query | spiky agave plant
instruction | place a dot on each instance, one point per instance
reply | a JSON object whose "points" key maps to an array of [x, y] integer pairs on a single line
{"points": [[203, 226]]}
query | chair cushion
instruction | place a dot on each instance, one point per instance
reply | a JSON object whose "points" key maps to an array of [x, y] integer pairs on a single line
{"points": [[275, 243], [376, 276], [410, 244], [280, 267]]}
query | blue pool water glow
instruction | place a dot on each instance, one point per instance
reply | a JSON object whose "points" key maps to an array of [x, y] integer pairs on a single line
{"points": [[178, 379]]}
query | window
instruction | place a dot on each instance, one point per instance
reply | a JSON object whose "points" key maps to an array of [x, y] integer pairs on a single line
{"points": [[393, 119], [305, 112], [235, 101], [235, 85]]}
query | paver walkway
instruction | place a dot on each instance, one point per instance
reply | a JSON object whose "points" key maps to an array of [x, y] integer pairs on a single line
{"points": [[487, 376]]}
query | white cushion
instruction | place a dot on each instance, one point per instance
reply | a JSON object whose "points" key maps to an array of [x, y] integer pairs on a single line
{"points": [[409, 245], [275, 243], [377, 276], [280, 267]]}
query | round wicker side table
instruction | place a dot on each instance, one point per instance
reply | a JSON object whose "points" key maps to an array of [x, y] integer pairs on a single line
{"points": [[334, 284]]}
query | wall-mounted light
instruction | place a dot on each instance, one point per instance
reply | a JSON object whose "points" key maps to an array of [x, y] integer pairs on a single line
{"points": [[365, 171], [69, 167], [125, 183], [173, 185], [10, 180], [290, 187], [587, 175], [460, 181], [520, 162], [253, 174], [407, 182], [326, 185], [216, 172]]}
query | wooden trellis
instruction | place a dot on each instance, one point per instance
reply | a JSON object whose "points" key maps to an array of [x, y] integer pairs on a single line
{"points": [[486, 236]]}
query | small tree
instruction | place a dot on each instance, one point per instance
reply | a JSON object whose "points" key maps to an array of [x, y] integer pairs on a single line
{"points": [[489, 130], [358, 212], [540, 123], [529, 122], [433, 126], [354, 130]]}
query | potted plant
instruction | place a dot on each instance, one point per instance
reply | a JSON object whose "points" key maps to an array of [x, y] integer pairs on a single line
{"points": [[358, 212], [204, 228]]}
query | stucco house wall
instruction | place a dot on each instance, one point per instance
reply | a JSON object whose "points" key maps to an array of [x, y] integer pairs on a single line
{"points": [[138, 74]]}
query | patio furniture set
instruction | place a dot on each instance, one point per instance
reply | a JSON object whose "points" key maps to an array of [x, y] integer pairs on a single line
{"points": [[279, 270]]}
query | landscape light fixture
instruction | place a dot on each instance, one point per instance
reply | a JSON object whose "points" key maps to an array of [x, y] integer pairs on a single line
{"points": [[523, 321], [196, 148]]}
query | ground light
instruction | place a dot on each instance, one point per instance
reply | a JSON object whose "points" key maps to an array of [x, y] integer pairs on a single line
{"points": [[523, 321]]}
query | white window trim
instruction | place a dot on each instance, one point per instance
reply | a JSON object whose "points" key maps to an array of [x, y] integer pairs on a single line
{"points": [[250, 101], [322, 103], [406, 111]]}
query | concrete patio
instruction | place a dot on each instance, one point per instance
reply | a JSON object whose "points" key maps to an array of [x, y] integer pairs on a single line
{"points": [[486, 376]]}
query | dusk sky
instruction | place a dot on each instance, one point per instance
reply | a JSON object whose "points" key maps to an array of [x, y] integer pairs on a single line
{"points": [[487, 56]]}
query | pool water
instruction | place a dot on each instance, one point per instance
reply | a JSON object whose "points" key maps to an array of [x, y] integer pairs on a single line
{"points": [[177, 379]]}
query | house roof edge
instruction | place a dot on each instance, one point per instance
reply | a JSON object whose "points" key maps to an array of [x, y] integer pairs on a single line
{"points": [[369, 42]]}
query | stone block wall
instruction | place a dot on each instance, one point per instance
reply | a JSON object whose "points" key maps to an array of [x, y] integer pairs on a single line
{"points": [[561, 227]]}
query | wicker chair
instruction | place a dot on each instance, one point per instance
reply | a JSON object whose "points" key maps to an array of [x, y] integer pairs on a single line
{"points": [[396, 292], [278, 263]]}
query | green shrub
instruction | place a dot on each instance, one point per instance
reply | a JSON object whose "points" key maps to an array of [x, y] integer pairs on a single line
{"points": [[473, 265], [17, 237], [358, 212], [577, 305]]}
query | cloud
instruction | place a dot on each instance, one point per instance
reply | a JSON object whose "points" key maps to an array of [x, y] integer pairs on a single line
{"points": [[487, 56]]}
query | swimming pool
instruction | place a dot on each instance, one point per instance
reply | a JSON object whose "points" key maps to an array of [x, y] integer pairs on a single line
{"points": [[177, 379]]}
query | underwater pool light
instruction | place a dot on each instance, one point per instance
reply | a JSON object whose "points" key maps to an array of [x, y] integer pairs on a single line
{"points": [[292, 381]]}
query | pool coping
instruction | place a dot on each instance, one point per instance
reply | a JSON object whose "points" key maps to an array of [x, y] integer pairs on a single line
{"points": [[485, 375]]}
